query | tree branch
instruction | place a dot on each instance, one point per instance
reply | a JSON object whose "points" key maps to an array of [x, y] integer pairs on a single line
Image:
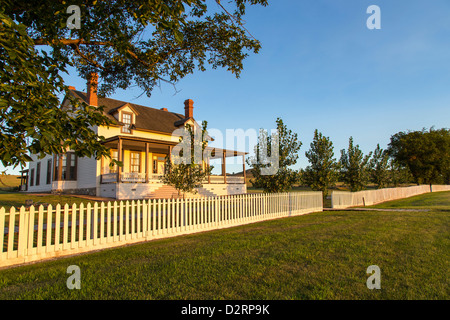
{"points": [[83, 56], [43, 42]]}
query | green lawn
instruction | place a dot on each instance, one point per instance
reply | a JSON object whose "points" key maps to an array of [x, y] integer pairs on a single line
{"points": [[438, 201], [316, 256]]}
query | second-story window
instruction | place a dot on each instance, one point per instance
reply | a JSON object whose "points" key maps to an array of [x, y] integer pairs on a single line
{"points": [[127, 121]]}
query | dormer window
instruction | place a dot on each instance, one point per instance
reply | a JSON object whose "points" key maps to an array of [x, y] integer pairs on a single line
{"points": [[127, 122]]}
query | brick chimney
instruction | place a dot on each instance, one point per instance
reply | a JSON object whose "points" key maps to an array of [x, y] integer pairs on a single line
{"points": [[188, 108], [92, 89]]}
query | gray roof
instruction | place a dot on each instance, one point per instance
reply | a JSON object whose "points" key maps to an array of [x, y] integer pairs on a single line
{"points": [[147, 118]]}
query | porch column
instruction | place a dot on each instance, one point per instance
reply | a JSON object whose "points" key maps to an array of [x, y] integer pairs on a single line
{"points": [[146, 162], [243, 166], [208, 166], [21, 178], [54, 175], [224, 169], [170, 153], [60, 162], [119, 158]]}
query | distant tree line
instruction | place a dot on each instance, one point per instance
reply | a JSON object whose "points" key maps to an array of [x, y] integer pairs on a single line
{"points": [[421, 157]]}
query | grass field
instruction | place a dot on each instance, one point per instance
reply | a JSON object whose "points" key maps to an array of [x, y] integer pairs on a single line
{"points": [[17, 199], [9, 182], [316, 256], [11, 198]]}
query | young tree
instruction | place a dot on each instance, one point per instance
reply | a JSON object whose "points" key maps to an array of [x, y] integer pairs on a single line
{"points": [[273, 156], [126, 43], [354, 168], [185, 169], [379, 167], [322, 173], [425, 153]]}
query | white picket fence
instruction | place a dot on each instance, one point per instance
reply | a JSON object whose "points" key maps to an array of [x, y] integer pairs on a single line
{"points": [[346, 199], [38, 233]]}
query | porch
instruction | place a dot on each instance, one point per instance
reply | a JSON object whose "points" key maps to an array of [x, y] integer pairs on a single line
{"points": [[144, 162]]}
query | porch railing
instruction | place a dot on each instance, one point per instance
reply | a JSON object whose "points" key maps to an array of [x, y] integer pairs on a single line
{"points": [[129, 177], [235, 179], [132, 177], [109, 178]]}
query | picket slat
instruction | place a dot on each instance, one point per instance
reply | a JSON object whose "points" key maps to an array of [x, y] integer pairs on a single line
{"points": [[138, 218], [74, 227], [30, 236], [49, 228], [108, 222], [81, 225], [89, 227], [127, 219], [121, 221], [57, 227], [95, 224], [11, 232], [23, 232], [2, 228], [133, 212], [115, 234], [101, 223]]}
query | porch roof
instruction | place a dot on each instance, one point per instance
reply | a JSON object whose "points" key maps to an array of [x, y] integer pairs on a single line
{"points": [[218, 152]]}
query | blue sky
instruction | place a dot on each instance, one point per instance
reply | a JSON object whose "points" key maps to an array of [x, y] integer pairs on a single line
{"points": [[321, 68]]}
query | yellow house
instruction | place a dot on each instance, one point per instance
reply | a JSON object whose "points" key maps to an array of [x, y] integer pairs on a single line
{"points": [[141, 137]]}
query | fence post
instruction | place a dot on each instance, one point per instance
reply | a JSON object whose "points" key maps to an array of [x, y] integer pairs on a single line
{"points": [[2, 228], [90, 223], [58, 227], [23, 232], [30, 233], [108, 222], [72, 233], [216, 212], [94, 227], [114, 222]]}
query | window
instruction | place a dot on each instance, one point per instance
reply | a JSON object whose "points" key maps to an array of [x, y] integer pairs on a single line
{"points": [[68, 166], [135, 162], [126, 119], [38, 173], [31, 177], [155, 166], [49, 171], [64, 167], [72, 162], [56, 169]]}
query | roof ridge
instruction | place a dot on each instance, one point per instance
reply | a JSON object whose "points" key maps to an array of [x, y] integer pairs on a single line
{"points": [[125, 102]]}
